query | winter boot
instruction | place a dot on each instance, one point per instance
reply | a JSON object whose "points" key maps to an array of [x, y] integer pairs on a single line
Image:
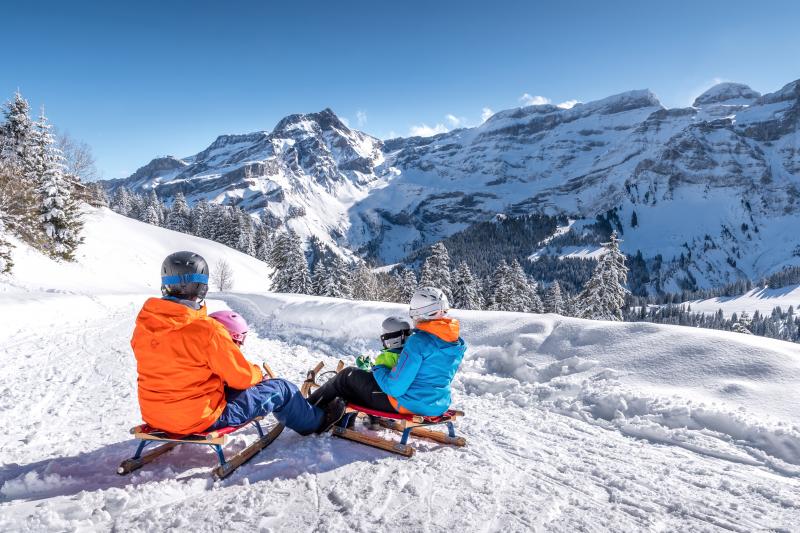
{"points": [[334, 412]]}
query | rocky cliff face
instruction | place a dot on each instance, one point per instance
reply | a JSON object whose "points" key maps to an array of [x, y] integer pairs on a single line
{"points": [[712, 189]]}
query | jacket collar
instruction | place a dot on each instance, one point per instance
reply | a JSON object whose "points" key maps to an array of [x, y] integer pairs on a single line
{"points": [[191, 304], [445, 328]]}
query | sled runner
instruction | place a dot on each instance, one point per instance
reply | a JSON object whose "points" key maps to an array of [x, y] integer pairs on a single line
{"points": [[407, 424], [216, 439]]}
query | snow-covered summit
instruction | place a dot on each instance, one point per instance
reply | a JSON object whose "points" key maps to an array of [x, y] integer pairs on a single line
{"points": [[727, 93]]}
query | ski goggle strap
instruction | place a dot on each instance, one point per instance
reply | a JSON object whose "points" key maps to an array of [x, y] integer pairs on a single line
{"points": [[185, 278]]}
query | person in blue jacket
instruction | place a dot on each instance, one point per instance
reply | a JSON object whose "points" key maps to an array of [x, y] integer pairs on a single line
{"points": [[420, 381]]}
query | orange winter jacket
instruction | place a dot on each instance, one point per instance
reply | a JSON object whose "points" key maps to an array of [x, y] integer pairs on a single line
{"points": [[184, 360]]}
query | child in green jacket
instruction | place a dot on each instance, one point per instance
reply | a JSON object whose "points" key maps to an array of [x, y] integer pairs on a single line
{"points": [[396, 330]]}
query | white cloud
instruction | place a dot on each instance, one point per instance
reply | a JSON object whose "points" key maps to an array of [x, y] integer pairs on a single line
{"points": [[423, 130], [455, 121], [527, 100], [568, 104], [345, 121], [485, 114], [361, 118]]}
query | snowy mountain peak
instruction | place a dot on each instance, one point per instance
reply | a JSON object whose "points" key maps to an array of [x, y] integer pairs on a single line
{"points": [[324, 120], [727, 93], [160, 166], [617, 103]]}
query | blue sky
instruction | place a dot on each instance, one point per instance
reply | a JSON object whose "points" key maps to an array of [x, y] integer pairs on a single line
{"points": [[140, 79]]}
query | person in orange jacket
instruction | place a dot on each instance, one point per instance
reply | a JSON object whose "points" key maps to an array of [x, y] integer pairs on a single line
{"points": [[193, 377]]}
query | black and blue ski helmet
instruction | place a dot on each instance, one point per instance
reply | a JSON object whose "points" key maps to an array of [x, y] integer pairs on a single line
{"points": [[184, 275]]}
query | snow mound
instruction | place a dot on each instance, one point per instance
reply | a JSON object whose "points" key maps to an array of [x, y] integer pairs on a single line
{"points": [[635, 377]]}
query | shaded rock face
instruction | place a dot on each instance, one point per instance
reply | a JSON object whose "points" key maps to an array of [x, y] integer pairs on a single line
{"points": [[692, 176]]}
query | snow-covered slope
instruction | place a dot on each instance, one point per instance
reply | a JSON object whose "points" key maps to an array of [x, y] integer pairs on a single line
{"points": [[763, 300], [122, 255], [571, 424], [119, 256]]}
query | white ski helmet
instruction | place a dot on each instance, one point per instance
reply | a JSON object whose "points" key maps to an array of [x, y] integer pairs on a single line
{"points": [[428, 303], [396, 330]]}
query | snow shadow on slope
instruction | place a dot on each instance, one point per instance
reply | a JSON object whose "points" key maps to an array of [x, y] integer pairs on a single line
{"points": [[290, 456]]}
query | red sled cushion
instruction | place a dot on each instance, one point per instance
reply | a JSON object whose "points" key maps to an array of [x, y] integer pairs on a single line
{"points": [[444, 417], [200, 435]]}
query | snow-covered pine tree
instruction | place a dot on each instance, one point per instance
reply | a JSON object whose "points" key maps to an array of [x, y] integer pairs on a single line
{"points": [[388, 288], [319, 279], [150, 215], [180, 216], [336, 280], [436, 270], [152, 200], [364, 282], [742, 324], [290, 266], [137, 206], [19, 139], [406, 282], [466, 292], [263, 242], [204, 221], [18, 179], [570, 304], [247, 238], [59, 213], [603, 297], [554, 301], [524, 297], [500, 288], [229, 228]]}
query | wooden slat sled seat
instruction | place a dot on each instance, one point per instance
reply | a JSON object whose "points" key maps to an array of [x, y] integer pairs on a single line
{"points": [[217, 436]]}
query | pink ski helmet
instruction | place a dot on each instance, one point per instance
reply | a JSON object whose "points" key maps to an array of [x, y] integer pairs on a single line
{"points": [[234, 323]]}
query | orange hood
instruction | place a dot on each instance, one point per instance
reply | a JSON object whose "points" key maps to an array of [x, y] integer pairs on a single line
{"points": [[445, 328], [159, 316]]}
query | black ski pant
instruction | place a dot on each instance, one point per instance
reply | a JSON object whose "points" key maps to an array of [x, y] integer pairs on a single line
{"points": [[353, 385]]}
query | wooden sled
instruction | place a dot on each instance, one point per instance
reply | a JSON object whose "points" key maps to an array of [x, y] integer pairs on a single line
{"points": [[406, 424], [216, 439]]}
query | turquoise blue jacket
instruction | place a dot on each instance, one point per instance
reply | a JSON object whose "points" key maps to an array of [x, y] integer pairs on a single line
{"points": [[420, 382]]}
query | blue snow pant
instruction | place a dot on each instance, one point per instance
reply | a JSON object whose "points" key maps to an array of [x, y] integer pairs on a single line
{"points": [[276, 396]]}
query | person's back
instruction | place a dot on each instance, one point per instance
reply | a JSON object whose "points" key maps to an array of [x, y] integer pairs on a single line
{"points": [[181, 357], [436, 350], [192, 375]]}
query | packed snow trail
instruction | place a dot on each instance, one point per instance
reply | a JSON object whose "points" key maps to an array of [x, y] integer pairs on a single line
{"points": [[542, 452]]}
